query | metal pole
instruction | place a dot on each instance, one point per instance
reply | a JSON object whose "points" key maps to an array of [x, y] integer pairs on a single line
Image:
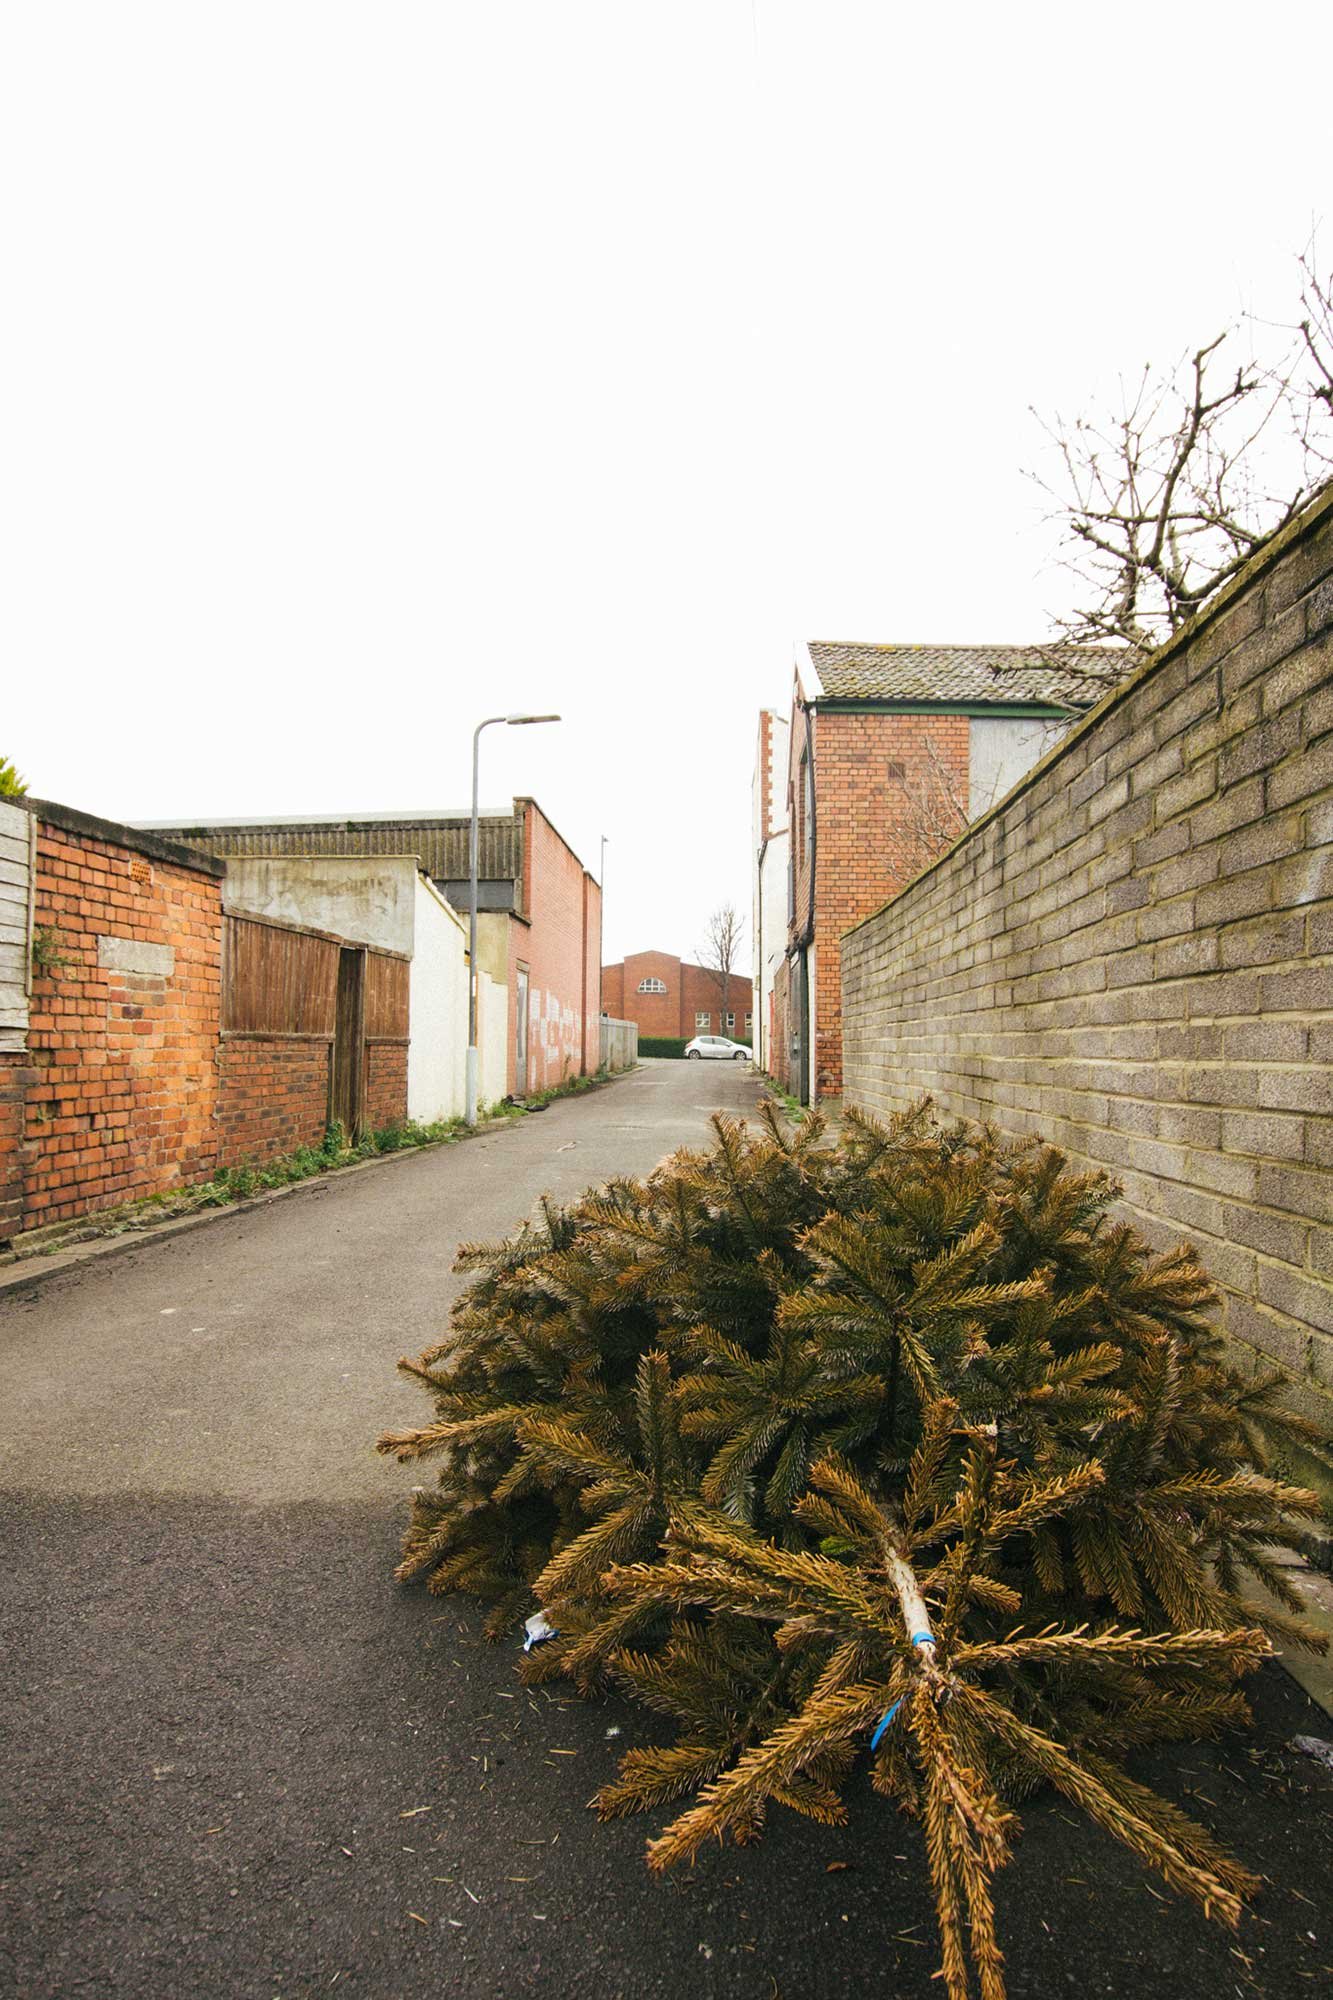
{"points": [[473, 1059]]}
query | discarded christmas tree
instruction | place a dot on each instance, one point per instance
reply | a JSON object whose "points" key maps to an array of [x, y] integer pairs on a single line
{"points": [[897, 1448]]}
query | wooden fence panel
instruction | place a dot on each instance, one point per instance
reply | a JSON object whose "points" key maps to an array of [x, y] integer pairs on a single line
{"points": [[276, 981], [386, 997]]}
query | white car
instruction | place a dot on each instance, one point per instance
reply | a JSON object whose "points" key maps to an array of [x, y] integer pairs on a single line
{"points": [[716, 1045]]}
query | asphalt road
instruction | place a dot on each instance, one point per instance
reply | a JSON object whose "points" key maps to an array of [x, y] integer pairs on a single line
{"points": [[237, 1760]]}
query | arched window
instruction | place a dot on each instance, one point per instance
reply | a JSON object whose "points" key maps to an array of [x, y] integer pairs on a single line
{"points": [[652, 986]]}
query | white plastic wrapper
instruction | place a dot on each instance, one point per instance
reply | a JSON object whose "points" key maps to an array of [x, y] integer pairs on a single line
{"points": [[536, 1629]]}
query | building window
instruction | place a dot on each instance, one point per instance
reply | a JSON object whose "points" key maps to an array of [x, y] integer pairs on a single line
{"points": [[749, 1024], [894, 772], [729, 1022], [652, 986], [702, 1021]]}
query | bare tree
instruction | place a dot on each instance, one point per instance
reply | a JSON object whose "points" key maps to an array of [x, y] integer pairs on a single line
{"points": [[932, 811], [721, 951], [1165, 497]]}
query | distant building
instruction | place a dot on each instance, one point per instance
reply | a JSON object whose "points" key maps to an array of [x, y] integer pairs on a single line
{"points": [[670, 998], [891, 751], [539, 933]]}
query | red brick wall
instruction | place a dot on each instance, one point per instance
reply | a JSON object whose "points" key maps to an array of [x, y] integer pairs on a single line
{"points": [[15, 1076], [863, 839], [690, 990], [273, 1095], [613, 991], [780, 1046], [563, 1005], [654, 1013], [701, 993], [593, 1002], [386, 1084], [124, 1063]]}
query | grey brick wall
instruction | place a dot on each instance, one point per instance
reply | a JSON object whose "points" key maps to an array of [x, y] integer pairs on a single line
{"points": [[1132, 955]]}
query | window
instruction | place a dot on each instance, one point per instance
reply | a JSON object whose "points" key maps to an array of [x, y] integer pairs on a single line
{"points": [[729, 1022], [652, 986], [702, 1021], [894, 771], [749, 1024], [803, 803]]}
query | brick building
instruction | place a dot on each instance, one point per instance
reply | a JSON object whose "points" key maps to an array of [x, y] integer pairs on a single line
{"points": [[540, 912], [892, 750], [669, 997]]}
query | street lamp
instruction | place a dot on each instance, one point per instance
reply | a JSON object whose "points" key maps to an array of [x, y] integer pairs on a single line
{"points": [[513, 721]]}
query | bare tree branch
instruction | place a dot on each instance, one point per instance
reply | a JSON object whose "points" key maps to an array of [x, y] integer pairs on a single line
{"points": [[721, 952], [932, 811], [1166, 497]]}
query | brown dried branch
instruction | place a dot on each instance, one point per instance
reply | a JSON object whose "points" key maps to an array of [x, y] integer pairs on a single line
{"points": [[1164, 499], [720, 954]]}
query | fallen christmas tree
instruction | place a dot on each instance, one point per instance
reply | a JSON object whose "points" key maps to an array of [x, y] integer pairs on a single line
{"points": [[897, 1448]]}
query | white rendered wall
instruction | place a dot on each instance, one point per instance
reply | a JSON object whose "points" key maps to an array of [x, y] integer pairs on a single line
{"points": [[366, 899], [437, 1051], [493, 1029], [770, 937], [1001, 750], [768, 875]]}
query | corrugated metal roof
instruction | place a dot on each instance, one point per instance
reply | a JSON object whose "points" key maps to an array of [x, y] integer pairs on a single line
{"points": [[441, 845]]}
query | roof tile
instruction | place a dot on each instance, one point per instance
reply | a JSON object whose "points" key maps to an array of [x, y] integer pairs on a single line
{"points": [[971, 674]]}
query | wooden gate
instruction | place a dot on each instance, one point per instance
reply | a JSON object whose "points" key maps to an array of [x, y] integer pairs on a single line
{"points": [[349, 1045]]}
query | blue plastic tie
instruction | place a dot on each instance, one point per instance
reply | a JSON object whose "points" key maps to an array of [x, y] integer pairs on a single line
{"points": [[918, 1639], [885, 1720]]}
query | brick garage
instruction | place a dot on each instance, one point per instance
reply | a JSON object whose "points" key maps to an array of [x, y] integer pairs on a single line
{"points": [[123, 1030], [1133, 955]]}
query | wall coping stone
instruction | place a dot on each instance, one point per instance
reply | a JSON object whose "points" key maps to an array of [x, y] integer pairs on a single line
{"points": [[115, 834]]}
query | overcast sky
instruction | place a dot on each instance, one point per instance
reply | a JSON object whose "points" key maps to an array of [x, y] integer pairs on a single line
{"points": [[372, 368]]}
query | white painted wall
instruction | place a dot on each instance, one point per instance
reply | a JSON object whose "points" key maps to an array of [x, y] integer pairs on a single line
{"points": [[17, 828], [437, 985], [367, 899], [770, 937], [768, 872], [493, 1028], [1001, 750]]}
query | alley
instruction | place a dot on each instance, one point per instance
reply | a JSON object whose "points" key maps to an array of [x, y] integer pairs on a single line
{"points": [[238, 1761]]}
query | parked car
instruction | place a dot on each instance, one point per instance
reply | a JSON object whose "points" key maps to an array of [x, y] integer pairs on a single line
{"points": [[718, 1046]]}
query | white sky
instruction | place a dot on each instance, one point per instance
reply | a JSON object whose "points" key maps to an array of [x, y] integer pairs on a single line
{"points": [[370, 368]]}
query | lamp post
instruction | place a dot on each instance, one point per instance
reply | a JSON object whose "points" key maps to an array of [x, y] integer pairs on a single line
{"points": [[473, 1065]]}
